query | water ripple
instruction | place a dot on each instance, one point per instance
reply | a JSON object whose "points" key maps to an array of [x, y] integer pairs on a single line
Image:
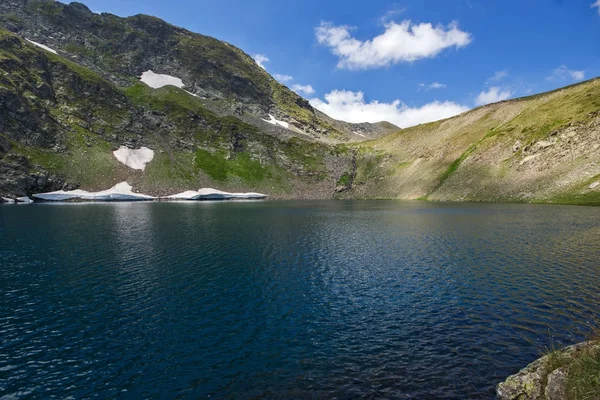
{"points": [[288, 299]]}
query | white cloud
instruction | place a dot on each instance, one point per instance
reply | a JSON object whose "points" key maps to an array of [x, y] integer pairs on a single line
{"points": [[493, 95], [352, 107], [404, 42], [391, 13], [577, 75], [434, 85], [306, 89], [499, 75], [563, 73], [283, 78], [261, 59], [596, 5]]}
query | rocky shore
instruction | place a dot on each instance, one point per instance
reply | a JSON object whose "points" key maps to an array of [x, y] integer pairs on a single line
{"points": [[549, 378]]}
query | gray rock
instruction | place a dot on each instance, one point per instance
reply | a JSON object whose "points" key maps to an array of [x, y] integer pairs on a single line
{"points": [[525, 385], [536, 382], [556, 389], [517, 146]]}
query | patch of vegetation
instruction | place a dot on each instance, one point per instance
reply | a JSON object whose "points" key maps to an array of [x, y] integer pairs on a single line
{"points": [[308, 154], [292, 104], [590, 198], [583, 379], [81, 71], [49, 8], [345, 180], [13, 18], [169, 99], [77, 49], [242, 166]]}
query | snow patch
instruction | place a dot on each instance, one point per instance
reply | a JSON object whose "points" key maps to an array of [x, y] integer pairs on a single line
{"points": [[120, 192], [214, 194], [156, 81], [8, 200], [359, 134], [42, 46], [274, 121], [594, 185], [24, 200], [135, 159]]}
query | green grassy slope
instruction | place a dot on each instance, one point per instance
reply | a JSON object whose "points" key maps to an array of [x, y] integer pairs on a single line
{"points": [[542, 148]]}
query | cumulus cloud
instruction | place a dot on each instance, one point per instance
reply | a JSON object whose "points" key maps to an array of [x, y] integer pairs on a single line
{"points": [[493, 95], [261, 59], [596, 5], [577, 75], [403, 42], [283, 78], [564, 73], [351, 107], [499, 75], [306, 89], [434, 85]]}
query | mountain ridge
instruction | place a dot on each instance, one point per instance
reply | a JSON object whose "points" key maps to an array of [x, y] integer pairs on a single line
{"points": [[66, 113], [120, 49]]}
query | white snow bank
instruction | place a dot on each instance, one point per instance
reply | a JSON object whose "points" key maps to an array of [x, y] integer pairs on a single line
{"points": [[24, 200], [120, 192], [135, 159], [156, 81], [42, 46], [214, 194], [274, 121], [7, 200]]}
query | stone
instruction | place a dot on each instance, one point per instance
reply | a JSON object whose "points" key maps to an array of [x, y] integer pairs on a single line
{"points": [[517, 146], [526, 385], [556, 388]]}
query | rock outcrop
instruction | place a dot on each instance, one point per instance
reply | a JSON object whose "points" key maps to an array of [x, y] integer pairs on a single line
{"points": [[546, 378]]}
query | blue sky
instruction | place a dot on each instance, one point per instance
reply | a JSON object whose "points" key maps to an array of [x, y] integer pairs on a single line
{"points": [[407, 61]]}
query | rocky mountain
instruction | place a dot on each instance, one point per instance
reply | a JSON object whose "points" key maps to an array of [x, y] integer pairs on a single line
{"points": [[71, 94], [121, 49]]}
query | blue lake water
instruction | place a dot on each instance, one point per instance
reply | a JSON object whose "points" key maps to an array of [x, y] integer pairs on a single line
{"points": [[322, 299]]}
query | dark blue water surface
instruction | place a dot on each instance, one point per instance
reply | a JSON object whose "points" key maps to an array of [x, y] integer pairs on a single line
{"points": [[327, 299]]}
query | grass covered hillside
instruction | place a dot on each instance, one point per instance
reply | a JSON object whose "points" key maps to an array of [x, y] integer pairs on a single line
{"points": [[544, 148]]}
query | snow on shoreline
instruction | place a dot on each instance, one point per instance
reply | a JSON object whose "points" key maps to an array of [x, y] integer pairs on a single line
{"points": [[156, 81], [274, 121], [214, 194], [134, 159], [124, 192], [120, 192], [42, 46]]}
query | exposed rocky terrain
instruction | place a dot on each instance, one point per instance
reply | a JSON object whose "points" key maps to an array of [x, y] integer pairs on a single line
{"points": [[63, 114]]}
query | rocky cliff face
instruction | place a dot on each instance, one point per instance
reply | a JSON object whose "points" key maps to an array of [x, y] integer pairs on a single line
{"points": [[121, 49], [60, 122]]}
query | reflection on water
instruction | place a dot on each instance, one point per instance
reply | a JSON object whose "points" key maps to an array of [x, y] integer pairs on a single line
{"points": [[288, 299]]}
